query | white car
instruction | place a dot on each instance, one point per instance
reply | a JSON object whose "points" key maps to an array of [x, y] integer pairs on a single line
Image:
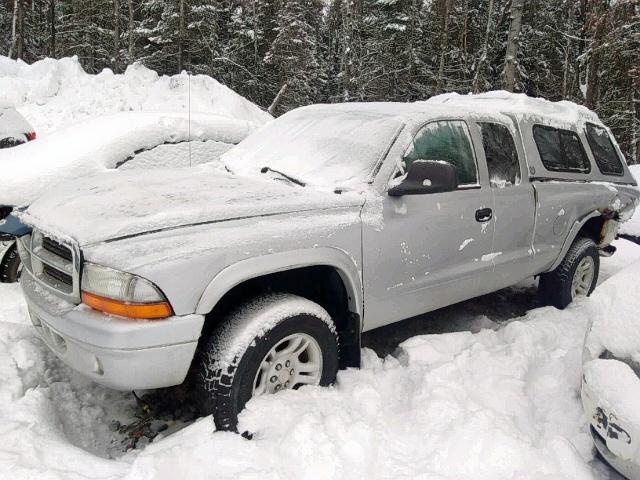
{"points": [[14, 128], [122, 141], [611, 375]]}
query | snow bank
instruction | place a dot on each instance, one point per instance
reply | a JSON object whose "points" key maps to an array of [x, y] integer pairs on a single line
{"points": [[97, 145], [632, 226], [495, 405], [54, 93]]}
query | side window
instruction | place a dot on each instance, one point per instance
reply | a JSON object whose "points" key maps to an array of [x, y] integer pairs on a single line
{"points": [[502, 156], [560, 150], [603, 150], [448, 141]]}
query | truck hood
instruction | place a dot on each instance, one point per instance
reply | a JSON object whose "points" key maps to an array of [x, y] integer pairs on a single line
{"points": [[120, 205]]}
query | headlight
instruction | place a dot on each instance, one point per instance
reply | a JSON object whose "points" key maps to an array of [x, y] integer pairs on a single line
{"points": [[121, 293]]}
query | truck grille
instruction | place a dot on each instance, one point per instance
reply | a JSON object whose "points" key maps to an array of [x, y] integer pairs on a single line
{"points": [[56, 248], [57, 275], [53, 264]]}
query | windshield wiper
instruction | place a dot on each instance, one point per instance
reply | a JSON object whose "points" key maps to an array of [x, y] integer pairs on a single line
{"points": [[284, 175]]}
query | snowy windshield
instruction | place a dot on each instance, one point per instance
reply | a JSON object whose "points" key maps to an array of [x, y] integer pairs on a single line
{"points": [[325, 148]]}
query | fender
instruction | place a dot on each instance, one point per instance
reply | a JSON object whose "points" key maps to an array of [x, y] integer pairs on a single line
{"points": [[244, 270], [571, 236]]}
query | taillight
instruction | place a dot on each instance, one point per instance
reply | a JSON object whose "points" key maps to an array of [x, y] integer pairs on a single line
{"points": [[31, 136]]}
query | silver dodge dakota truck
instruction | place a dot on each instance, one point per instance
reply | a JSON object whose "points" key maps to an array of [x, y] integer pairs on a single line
{"points": [[329, 221]]}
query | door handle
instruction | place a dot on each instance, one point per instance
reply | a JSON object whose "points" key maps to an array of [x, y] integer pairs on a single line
{"points": [[484, 215]]}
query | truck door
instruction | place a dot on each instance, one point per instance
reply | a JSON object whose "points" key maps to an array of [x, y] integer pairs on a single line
{"points": [[431, 249], [513, 203]]}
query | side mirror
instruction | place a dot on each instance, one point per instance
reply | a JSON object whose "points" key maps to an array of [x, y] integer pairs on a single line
{"points": [[427, 176]]}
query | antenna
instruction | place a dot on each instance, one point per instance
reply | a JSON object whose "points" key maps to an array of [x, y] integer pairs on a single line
{"points": [[189, 118]]}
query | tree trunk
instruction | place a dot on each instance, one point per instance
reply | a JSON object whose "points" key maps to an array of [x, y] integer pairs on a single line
{"points": [[635, 119], [276, 101], [347, 50], [513, 42], [597, 21], [14, 23], [131, 52], [116, 35], [484, 52], [181, 38], [444, 43], [17, 30], [52, 28]]}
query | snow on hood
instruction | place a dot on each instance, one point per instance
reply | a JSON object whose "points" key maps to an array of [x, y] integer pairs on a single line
{"points": [[99, 144], [55, 93], [12, 122], [119, 204]]}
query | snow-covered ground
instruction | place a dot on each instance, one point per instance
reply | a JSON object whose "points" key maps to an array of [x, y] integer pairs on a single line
{"points": [[500, 403]]}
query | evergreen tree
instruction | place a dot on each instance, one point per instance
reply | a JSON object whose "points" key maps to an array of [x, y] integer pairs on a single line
{"points": [[294, 52]]}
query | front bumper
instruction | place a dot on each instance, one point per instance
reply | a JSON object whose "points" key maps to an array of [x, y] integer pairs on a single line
{"points": [[116, 352], [615, 439]]}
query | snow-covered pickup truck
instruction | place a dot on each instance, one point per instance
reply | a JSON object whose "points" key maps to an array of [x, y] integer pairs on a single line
{"points": [[329, 221]]}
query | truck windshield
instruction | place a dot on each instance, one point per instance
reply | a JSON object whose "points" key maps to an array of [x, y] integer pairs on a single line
{"points": [[318, 147]]}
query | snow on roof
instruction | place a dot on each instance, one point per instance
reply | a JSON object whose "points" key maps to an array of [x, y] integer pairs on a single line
{"points": [[54, 93], [563, 113], [98, 144]]}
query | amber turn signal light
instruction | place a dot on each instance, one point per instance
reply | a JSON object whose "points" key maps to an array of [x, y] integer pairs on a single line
{"points": [[148, 311]]}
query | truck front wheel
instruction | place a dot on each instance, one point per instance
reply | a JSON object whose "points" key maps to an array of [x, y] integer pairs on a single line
{"points": [[576, 275], [10, 266], [275, 342]]}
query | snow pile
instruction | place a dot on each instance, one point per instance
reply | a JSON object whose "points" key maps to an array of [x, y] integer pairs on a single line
{"points": [[99, 144], [615, 317], [54, 93], [499, 404], [632, 226]]}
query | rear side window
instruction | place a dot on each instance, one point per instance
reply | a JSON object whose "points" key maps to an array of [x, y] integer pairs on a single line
{"points": [[603, 150], [448, 141], [501, 154], [560, 150]]}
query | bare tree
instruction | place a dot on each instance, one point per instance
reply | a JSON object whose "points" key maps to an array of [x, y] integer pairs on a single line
{"points": [[17, 30], [513, 43], [447, 5], [130, 33], [597, 19], [52, 28], [181, 35], [116, 34], [482, 60]]}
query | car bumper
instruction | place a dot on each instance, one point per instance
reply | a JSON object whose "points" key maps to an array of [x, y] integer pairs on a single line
{"points": [[617, 441], [116, 352]]}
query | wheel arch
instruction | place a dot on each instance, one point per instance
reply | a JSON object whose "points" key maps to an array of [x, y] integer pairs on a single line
{"points": [[589, 225], [298, 272]]}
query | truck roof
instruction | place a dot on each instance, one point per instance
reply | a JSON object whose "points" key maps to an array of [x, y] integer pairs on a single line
{"points": [[563, 114]]}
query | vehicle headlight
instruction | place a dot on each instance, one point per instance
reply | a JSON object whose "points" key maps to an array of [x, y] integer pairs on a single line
{"points": [[120, 293]]}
